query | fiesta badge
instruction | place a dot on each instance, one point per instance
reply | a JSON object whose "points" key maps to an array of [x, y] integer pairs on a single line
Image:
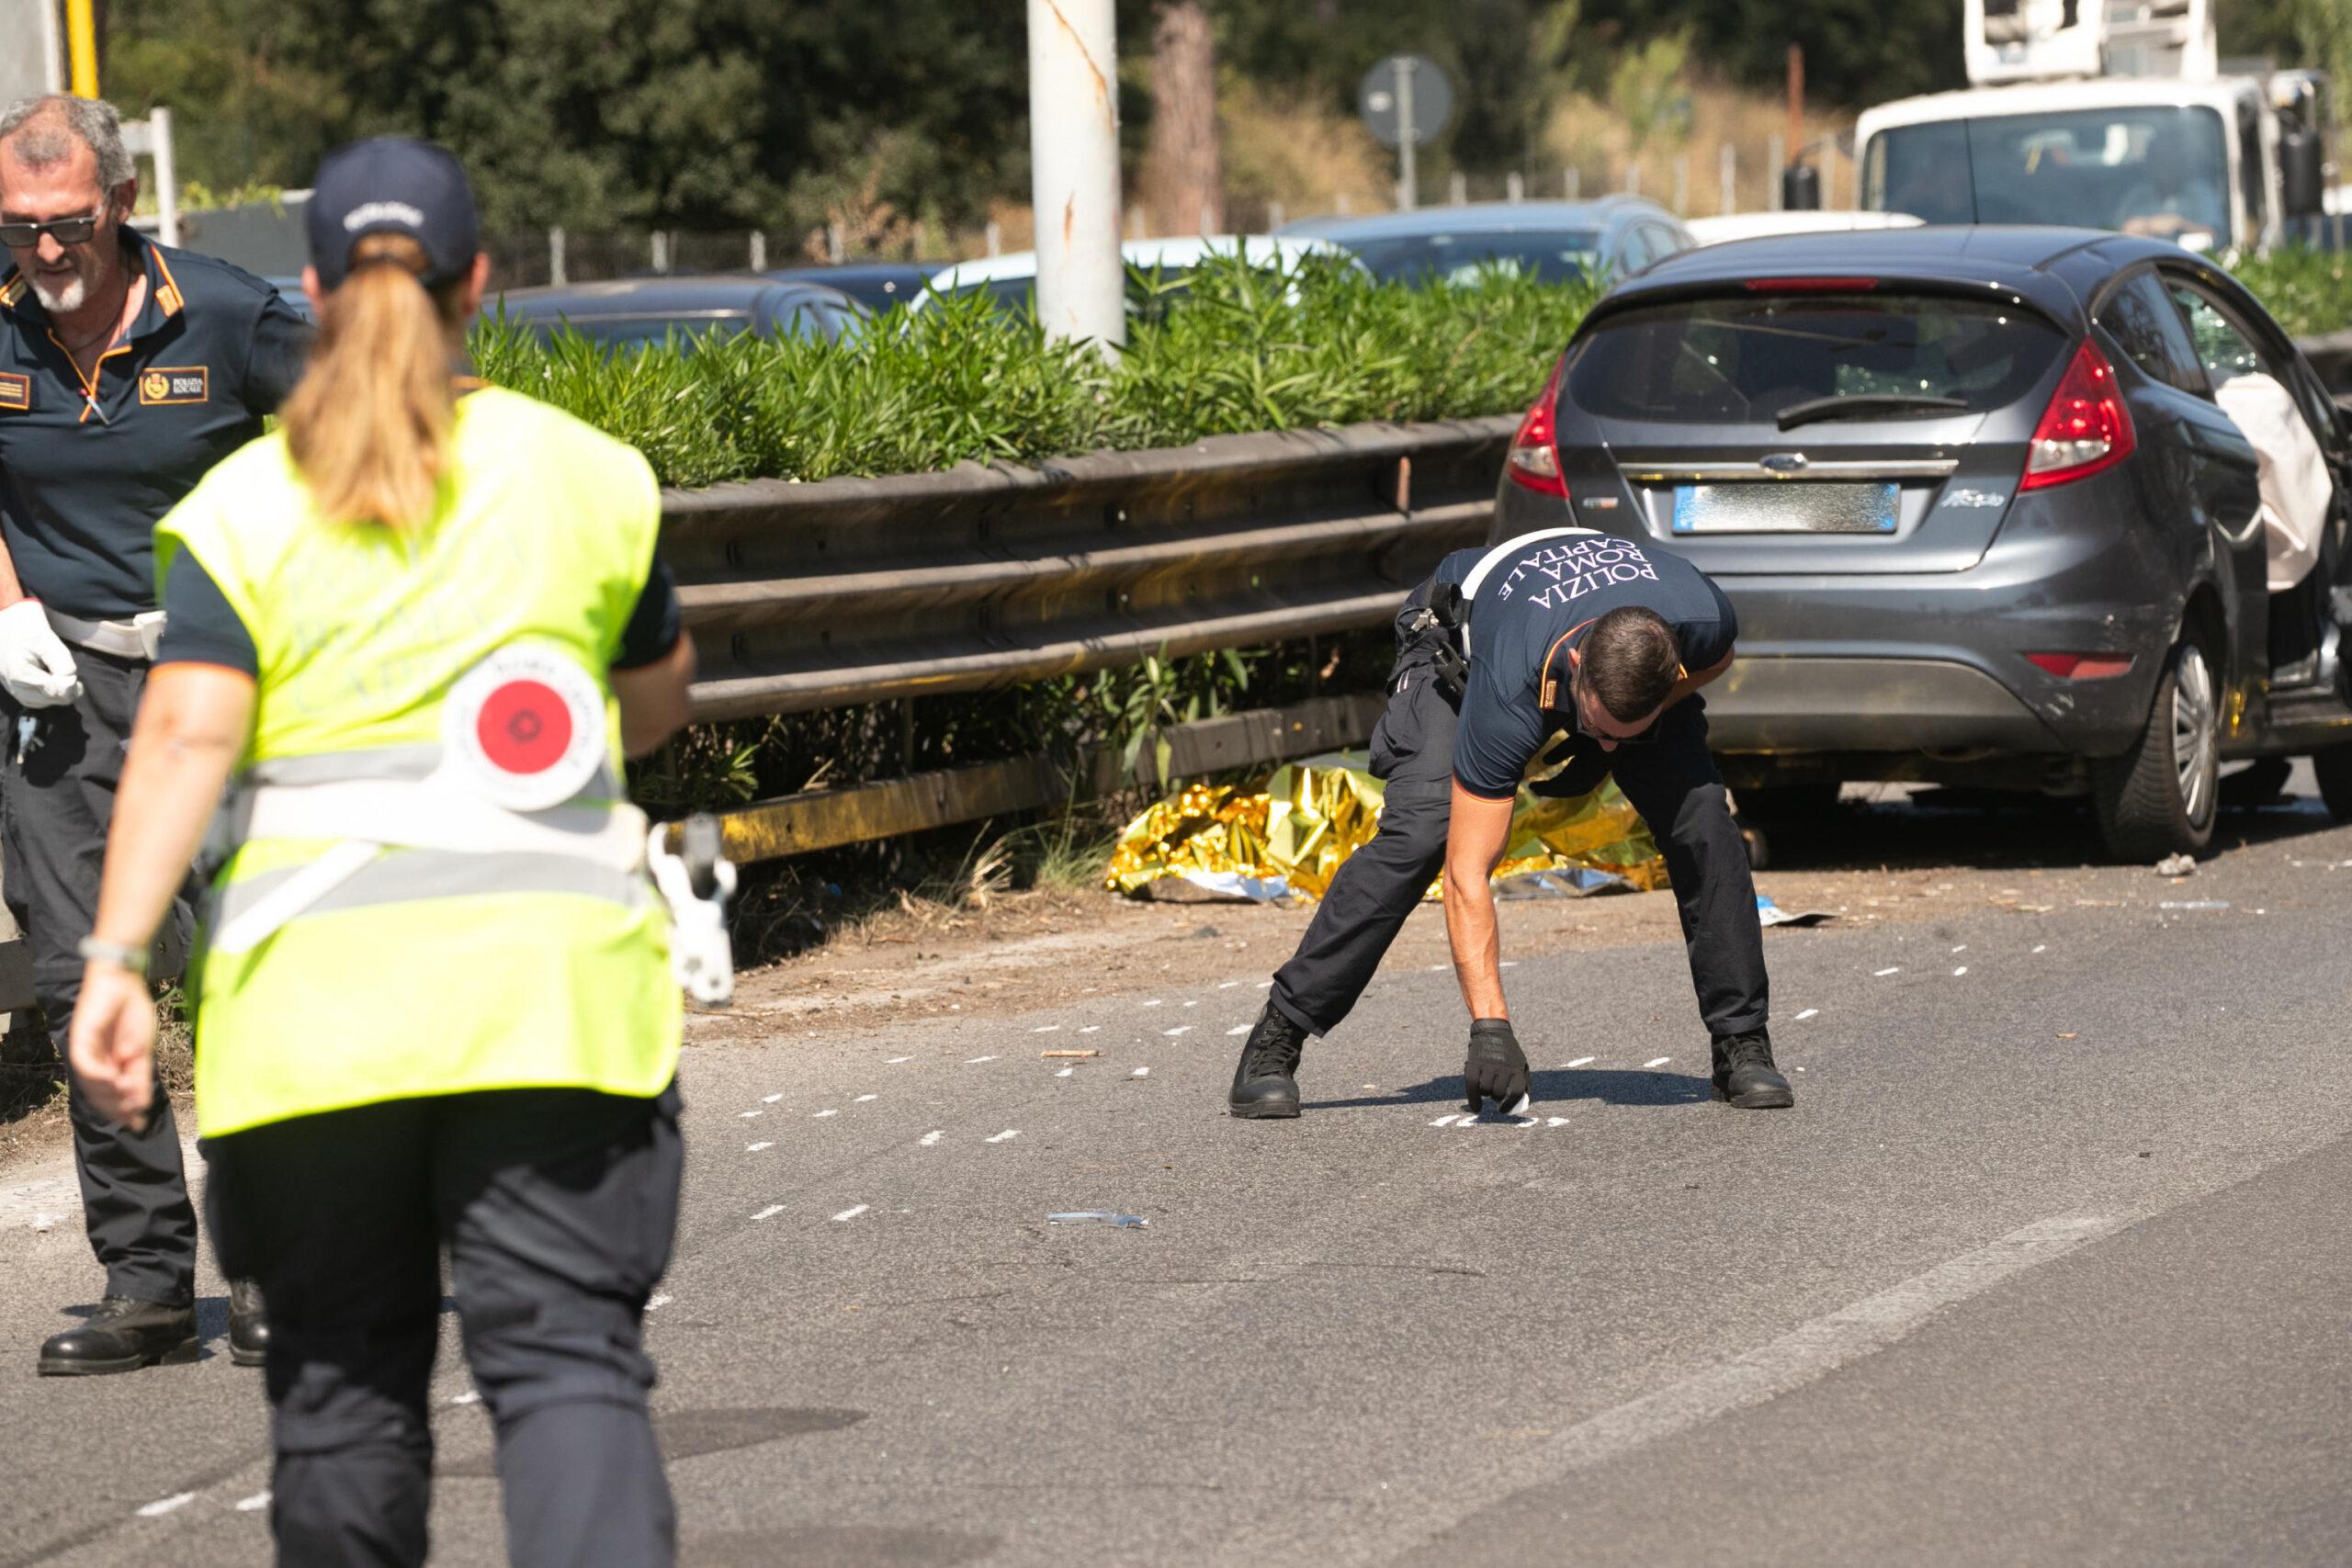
{"points": [[525, 728]]}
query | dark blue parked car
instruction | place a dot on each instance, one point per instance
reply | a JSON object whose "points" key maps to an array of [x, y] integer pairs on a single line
{"points": [[1980, 512]]}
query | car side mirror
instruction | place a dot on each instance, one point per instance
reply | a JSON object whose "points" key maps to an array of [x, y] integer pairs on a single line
{"points": [[2302, 173], [1801, 188]]}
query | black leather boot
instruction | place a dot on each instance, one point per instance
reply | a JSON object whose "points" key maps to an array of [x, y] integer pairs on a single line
{"points": [[248, 1325], [1263, 1084], [123, 1335], [1746, 1077]]}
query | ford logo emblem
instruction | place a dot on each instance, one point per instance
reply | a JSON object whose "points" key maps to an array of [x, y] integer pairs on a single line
{"points": [[1782, 463]]}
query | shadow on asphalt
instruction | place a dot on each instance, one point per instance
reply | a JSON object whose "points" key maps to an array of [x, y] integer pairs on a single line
{"points": [[1983, 831], [1609, 1086]]}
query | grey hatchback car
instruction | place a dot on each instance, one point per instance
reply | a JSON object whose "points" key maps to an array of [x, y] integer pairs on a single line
{"points": [[1978, 508], [1610, 236]]}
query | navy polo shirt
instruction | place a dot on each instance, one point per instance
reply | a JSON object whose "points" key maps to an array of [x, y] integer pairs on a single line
{"points": [[86, 472]]}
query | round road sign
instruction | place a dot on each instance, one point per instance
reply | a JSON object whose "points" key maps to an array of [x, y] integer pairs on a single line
{"points": [[1382, 99]]}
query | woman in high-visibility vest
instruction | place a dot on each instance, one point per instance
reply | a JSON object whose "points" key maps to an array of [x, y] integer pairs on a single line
{"points": [[420, 625]]}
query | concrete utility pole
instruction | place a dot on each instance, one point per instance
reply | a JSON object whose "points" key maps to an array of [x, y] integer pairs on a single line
{"points": [[1074, 160]]}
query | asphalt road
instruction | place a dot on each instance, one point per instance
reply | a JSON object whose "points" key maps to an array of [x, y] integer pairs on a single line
{"points": [[2048, 1266]]}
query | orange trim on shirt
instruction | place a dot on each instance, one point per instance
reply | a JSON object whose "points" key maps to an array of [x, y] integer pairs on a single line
{"points": [[168, 298]]}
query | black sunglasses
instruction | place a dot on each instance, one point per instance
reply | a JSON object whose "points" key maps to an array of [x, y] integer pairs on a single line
{"points": [[64, 230]]}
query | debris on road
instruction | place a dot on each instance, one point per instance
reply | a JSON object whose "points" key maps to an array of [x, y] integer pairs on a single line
{"points": [[1098, 1217], [1069, 1053], [1768, 913], [2177, 865]]}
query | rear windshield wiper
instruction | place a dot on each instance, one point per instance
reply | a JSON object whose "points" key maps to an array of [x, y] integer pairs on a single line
{"points": [[1813, 409]]}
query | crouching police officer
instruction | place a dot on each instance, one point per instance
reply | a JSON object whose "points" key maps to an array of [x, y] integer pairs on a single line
{"points": [[127, 369], [1568, 631], [435, 1006]]}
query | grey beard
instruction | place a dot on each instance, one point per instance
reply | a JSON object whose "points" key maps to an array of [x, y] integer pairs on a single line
{"points": [[64, 302]]}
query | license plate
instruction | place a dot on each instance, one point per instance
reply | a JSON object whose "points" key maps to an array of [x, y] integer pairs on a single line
{"points": [[1793, 507]]}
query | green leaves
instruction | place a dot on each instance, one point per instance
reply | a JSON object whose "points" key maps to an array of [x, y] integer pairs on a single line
{"points": [[1227, 349], [2309, 291]]}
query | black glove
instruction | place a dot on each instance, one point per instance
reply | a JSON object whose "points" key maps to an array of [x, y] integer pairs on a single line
{"points": [[1497, 1069]]}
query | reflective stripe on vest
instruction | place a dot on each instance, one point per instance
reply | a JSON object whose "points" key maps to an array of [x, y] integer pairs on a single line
{"points": [[403, 876], [1493, 558], [410, 763]]}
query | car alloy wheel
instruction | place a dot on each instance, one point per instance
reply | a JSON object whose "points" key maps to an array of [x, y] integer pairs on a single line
{"points": [[2195, 733]]}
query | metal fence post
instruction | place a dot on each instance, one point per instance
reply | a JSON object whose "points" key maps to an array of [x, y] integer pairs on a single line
{"points": [[661, 251], [759, 251], [994, 238], [555, 255], [1514, 189]]}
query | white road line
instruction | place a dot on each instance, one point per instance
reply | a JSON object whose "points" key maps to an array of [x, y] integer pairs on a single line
{"points": [[1091, 1028], [822, 1114], [1191, 1004], [928, 1139], [1140, 1073], [1006, 1137], [1238, 1029], [253, 1504], [864, 1097], [896, 1060], [1155, 1001], [1555, 1121], [770, 1099], [165, 1504], [748, 1114], [1962, 947], [1882, 974], [1508, 963], [1265, 984], [1227, 984], [1580, 1061], [1959, 972], [1809, 1012], [1813, 1350], [1446, 1119], [850, 1214], [2042, 947], [755, 1149], [975, 1061], [771, 1211], [1045, 1029], [1658, 1063], [1179, 1029]]}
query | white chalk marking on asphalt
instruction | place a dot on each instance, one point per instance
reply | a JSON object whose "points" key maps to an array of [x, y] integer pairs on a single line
{"points": [[1140, 1073], [896, 1060], [1580, 1061], [1882, 974], [2042, 947], [1045, 1029], [850, 1214], [1238, 1029], [1227, 984], [929, 1138], [1265, 984], [1154, 1002], [755, 1149], [1179, 1029], [1959, 972], [657, 1303], [770, 1099], [1555, 1121], [822, 1114], [1065, 1072], [771, 1211], [1962, 947], [1812, 1350], [975, 1061], [864, 1097], [1508, 963], [748, 1114], [1089, 1028], [1445, 1120], [1005, 1136], [472, 1396], [1193, 1004], [1440, 968], [1658, 1063], [165, 1504], [253, 1504], [1809, 1012]]}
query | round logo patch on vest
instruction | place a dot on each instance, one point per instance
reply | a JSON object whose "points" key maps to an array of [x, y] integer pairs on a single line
{"points": [[525, 728]]}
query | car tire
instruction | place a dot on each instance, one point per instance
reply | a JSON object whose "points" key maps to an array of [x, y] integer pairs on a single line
{"points": [[2334, 767], [2162, 795]]}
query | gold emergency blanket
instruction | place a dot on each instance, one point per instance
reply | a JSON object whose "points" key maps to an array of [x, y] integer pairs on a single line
{"points": [[1310, 816]]}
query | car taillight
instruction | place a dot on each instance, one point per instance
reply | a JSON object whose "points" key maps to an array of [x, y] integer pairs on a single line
{"points": [[2082, 666], [2085, 428], [1534, 461]]}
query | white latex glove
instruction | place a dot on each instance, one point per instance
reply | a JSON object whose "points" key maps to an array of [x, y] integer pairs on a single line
{"points": [[35, 665]]}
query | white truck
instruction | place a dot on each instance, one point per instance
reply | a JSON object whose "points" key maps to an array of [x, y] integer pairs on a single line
{"points": [[2110, 113]]}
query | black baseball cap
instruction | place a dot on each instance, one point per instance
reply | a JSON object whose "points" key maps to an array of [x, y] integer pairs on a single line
{"points": [[391, 185]]}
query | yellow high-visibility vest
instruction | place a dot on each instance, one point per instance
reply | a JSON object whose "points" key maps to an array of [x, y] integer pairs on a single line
{"points": [[425, 971]]}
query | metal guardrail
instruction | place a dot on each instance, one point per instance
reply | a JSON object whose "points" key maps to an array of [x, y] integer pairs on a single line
{"points": [[859, 590]]}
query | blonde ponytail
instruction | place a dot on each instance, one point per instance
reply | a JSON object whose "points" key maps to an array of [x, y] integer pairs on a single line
{"points": [[369, 425]]}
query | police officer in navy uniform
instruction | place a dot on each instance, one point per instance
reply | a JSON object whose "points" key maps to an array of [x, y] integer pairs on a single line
{"points": [[1569, 650], [126, 370]]}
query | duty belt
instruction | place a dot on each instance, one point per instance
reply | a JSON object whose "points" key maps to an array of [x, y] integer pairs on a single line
{"points": [[137, 638]]}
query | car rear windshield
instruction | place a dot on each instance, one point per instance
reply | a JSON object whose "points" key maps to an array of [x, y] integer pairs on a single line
{"points": [[1742, 359], [1560, 255]]}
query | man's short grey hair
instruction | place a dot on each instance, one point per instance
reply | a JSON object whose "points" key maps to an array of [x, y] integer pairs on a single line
{"points": [[44, 130]]}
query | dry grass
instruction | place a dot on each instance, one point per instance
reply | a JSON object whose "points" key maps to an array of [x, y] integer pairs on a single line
{"points": [[1591, 136], [1306, 158], [33, 1118]]}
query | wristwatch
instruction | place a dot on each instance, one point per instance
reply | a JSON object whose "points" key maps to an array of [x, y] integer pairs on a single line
{"points": [[96, 951]]}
